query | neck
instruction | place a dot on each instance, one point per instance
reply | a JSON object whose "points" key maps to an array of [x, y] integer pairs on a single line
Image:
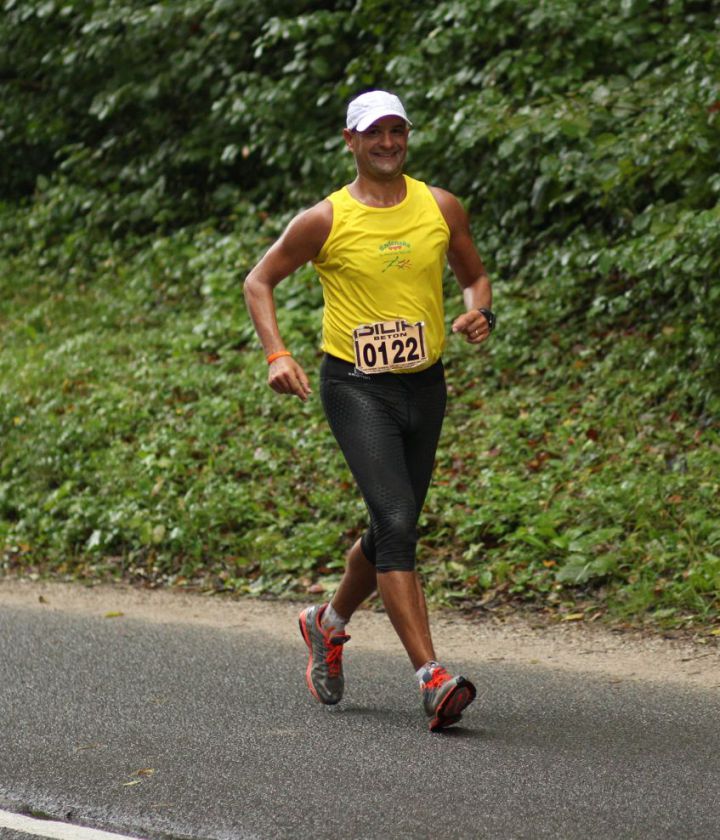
{"points": [[378, 193]]}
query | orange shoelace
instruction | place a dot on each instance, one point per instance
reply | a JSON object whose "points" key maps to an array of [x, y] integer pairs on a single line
{"points": [[439, 677], [333, 657]]}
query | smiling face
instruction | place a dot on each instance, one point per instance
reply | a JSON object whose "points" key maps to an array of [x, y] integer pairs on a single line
{"points": [[381, 149]]}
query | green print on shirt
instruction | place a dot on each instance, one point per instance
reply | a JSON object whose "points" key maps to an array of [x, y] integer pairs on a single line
{"points": [[397, 262], [395, 246], [396, 249]]}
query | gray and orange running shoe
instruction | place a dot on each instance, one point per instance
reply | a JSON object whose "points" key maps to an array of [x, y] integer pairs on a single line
{"points": [[324, 674], [445, 698]]}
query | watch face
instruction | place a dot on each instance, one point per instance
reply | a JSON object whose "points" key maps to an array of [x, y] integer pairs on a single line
{"points": [[490, 316]]}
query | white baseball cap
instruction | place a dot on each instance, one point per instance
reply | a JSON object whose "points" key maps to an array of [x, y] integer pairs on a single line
{"points": [[365, 109]]}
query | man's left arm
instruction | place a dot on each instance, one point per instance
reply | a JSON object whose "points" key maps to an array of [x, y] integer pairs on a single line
{"points": [[468, 269]]}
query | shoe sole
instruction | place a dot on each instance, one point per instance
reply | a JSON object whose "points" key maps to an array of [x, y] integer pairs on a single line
{"points": [[305, 633], [452, 706]]}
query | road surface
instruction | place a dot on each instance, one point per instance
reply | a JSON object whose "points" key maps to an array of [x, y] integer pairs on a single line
{"points": [[170, 726]]}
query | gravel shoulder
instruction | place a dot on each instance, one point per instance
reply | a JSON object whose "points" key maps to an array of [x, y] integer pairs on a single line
{"points": [[574, 647]]}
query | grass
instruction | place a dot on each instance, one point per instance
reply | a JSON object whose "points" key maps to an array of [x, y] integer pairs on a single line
{"points": [[577, 474]]}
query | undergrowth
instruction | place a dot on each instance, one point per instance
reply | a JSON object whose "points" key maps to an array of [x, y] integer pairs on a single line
{"points": [[576, 474], [152, 151]]}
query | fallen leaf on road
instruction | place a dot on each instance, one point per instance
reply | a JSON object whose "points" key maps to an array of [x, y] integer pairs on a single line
{"points": [[573, 617], [112, 614], [144, 772]]}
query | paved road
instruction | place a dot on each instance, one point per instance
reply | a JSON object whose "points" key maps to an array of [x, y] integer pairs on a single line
{"points": [[178, 731]]}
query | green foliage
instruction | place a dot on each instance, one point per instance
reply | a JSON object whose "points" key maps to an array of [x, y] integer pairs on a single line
{"points": [[128, 101], [583, 137], [151, 151], [140, 440]]}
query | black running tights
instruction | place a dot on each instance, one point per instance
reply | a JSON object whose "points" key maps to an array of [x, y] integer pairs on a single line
{"points": [[387, 426]]}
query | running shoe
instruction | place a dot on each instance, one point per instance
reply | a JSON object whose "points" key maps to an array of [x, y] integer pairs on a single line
{"points": [[445, 698], [324, 674]]}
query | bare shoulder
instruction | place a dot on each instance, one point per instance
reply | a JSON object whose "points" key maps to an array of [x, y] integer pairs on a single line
{"points": [[299, 243], [309, 229], [452, 210]]}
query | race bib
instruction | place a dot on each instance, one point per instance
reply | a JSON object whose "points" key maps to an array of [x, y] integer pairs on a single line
{"points": [[389, 345]]}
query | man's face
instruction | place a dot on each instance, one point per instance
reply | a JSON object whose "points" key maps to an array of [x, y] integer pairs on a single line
{"points": [[381, 149]]}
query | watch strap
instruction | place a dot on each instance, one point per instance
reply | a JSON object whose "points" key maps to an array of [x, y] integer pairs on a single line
{"points": [[489, 316]]}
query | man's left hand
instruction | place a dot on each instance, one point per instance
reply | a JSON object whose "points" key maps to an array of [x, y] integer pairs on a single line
{"points": [[473, 325]]}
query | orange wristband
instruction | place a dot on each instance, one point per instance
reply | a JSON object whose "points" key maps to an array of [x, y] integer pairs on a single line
{"points": [[280, 353]]}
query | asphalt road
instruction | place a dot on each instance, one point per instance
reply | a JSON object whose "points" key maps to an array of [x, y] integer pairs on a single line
{"points": [[178, 731]]}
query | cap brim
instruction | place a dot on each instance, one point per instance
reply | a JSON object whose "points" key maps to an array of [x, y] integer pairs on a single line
{"points": [[376, 115]]}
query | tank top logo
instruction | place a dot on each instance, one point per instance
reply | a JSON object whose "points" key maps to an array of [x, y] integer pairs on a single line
{"points": [[394, 254]]}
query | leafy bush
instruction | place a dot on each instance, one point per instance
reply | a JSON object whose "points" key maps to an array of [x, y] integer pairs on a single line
{"points": [[152, 151]]}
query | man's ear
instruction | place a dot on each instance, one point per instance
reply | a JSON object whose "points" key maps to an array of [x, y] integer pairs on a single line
{"points": [[348, 138]]}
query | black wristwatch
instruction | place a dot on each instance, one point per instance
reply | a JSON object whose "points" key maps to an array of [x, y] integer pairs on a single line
{"points": [[489, 317]]}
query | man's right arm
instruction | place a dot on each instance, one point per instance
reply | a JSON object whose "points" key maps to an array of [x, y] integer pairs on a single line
{"points": [[299, 243]]}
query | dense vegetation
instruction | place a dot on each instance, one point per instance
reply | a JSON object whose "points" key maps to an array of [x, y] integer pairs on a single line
{"points": [[150, 151]]}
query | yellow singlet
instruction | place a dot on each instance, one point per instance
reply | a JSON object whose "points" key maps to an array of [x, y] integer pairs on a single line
{"points": [[382, 264]]}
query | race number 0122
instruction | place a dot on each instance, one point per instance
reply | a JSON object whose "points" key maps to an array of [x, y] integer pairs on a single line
{"points": [[389, 345]]}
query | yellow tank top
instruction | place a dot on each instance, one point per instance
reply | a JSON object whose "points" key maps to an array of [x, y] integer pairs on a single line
{"points": [[383, 264]]}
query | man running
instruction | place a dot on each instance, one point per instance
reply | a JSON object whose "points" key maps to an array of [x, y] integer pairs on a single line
{"points": [[379, 246]]}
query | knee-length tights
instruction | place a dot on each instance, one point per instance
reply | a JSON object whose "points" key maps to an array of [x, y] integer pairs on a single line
{"points": [[387, 426]]}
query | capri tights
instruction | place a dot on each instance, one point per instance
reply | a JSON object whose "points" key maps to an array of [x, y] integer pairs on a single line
{"points": [[387, 426]]}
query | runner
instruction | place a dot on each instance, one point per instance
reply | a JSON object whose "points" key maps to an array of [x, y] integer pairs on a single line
{"points": [[379, 246]]}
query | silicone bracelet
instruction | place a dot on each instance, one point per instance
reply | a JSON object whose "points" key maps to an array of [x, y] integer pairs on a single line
{"points": [[280, 353]]}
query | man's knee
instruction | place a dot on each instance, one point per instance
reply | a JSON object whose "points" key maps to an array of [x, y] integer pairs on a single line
{"points": [[395, 541], [367, 544], [396, 563], [389, 543]]}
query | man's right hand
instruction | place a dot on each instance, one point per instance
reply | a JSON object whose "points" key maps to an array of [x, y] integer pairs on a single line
{"points": [[286, 376]]}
